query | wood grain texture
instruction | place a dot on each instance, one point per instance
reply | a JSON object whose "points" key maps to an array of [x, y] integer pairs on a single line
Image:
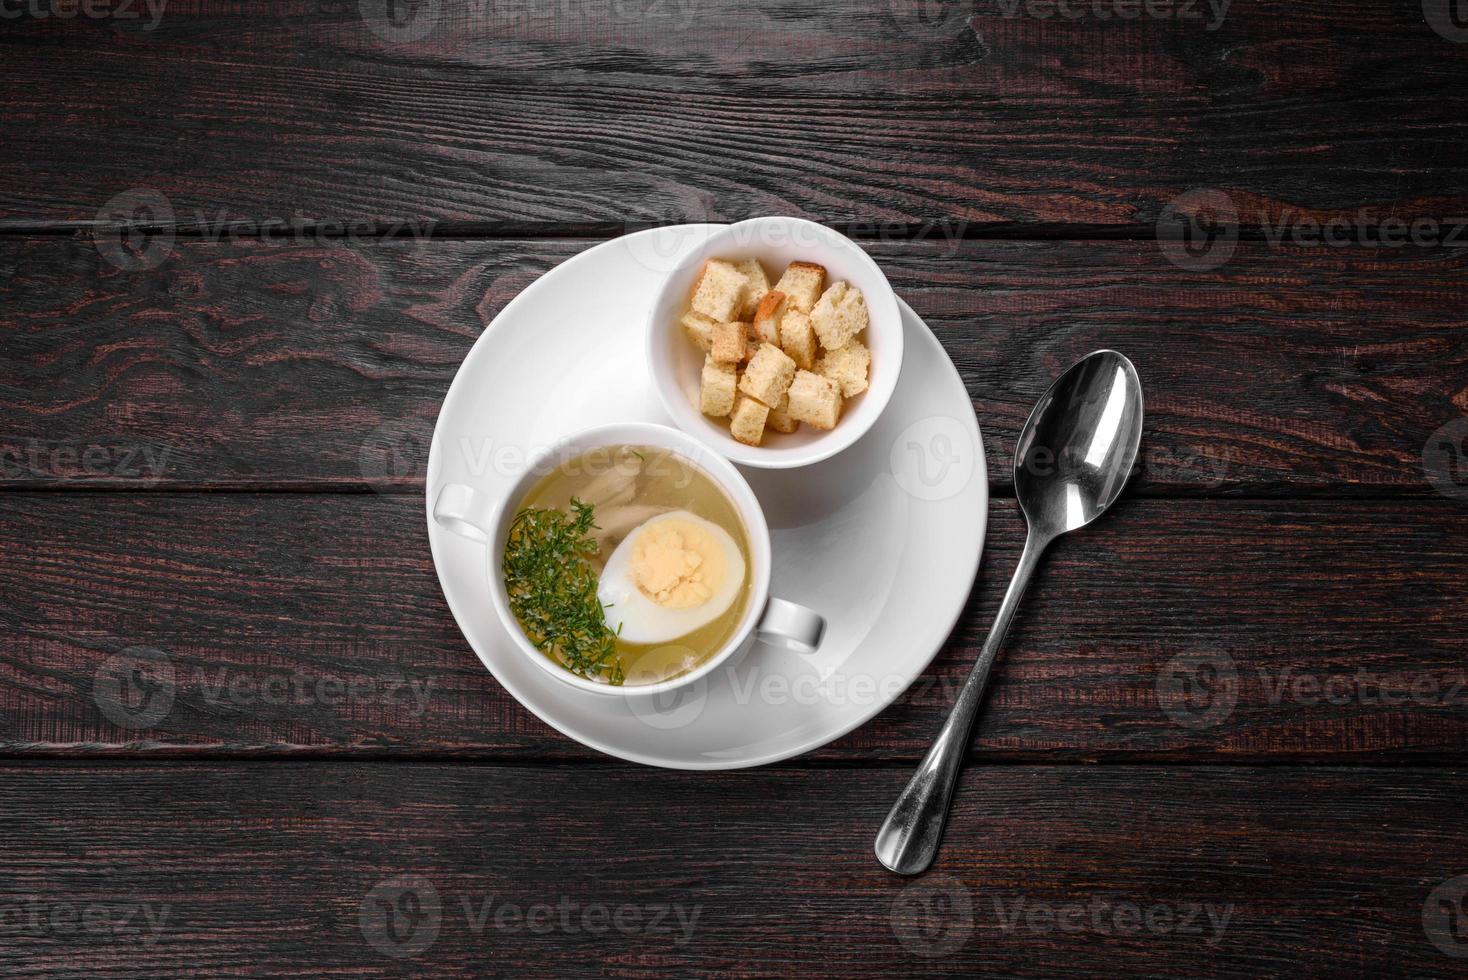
{"points": [[282, 365], [1174, 630], [600, 112], [230, 721], [275, 869]]}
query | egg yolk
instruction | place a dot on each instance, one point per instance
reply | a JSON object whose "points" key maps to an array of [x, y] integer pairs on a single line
{"points": [[676, 564]]}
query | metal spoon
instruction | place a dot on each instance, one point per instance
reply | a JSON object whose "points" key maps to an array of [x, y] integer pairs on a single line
{"points": [[1072, 459]]}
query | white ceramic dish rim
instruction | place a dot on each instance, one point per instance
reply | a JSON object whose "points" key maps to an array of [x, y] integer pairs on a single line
{"points": [[887, 347], [934, 640]]}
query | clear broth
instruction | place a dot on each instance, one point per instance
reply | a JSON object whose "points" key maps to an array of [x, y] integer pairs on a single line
{"points": [[629, 485]]}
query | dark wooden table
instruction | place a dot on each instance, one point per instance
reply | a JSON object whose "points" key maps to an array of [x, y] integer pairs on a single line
{"points": [[1227, 736]]}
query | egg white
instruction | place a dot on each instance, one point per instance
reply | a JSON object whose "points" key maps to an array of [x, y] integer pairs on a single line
{"points": [[643, 620]]}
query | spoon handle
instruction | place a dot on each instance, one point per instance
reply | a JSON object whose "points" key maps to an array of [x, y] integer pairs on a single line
{"points": [[909, 838]]}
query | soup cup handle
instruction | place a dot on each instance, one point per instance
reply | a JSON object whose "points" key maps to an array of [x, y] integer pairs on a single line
{"points": [[463, 511], [793, 627]]}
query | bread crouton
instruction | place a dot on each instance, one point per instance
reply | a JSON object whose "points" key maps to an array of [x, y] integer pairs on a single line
{"points": [[847, 366], [700, 329], [747, 424], [716, 394], [756, 285], [815, 400], [780, 419], [768, 375], [751, 347], [798, 339], [802, 283], [839, 315], [767, 317], [719, 293], [729, 340]]}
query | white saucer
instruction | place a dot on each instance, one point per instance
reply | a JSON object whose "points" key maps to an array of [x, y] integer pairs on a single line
{"points": [[883, 538]]}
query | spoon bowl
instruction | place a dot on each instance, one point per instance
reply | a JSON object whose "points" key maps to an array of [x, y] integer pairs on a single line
{"points": [[1071, 461], [1077, 449]]}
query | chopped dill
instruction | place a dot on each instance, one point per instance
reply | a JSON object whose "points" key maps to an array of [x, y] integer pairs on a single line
{"points": [[552, 589]]}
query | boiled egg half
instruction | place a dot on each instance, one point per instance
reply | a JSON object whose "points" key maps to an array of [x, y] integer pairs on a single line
{"points": [[671, 575]]}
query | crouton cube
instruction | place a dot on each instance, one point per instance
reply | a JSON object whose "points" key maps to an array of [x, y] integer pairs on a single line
{"points": [[768, 375], [719, 293], [747, 424], [780, 419], [767, 317], [700, 329], [756, 285], [847, 366], [802, 283], [798, 338], [729, 340], [815, 400], [839, 315], [716, 395]]}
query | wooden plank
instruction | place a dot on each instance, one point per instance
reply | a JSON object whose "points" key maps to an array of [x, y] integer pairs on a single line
{"points": [[255, 365], [313, 869], [599, 112], [1173, 630]]}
